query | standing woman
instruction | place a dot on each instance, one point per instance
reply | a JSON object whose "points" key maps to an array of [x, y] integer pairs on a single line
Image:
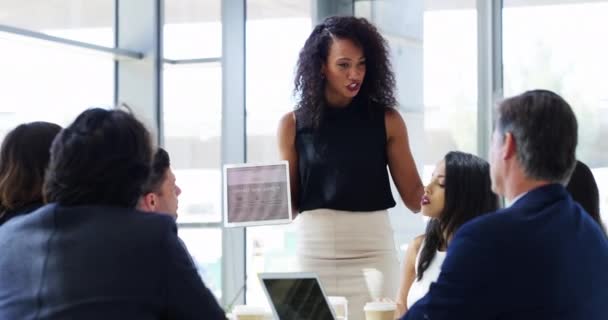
{"points": [[24, 158], [339, 141]]}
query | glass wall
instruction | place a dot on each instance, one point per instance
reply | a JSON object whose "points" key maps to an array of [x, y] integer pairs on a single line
{"points": [[276, 31], [450, 84], [42, 81], [566, 53], [193, 29], [192, 118], [88, 21], [434, 55]]}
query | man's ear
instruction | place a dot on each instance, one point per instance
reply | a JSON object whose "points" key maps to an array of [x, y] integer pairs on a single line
{"points": [[149, 202], [509, 147]]}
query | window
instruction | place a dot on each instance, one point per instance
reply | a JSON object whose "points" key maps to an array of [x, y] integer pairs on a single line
{"points": [[276, 31], [205, 247], [45, 81], [192, 128], [566, 54], [450, 83], [434, 55], [192, 119], [193, 29], [88, 21]]}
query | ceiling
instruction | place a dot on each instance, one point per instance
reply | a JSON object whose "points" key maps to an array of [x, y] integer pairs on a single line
{"points": [[65, 14]]}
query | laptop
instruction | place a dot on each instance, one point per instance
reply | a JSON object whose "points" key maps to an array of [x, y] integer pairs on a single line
{"points": [[296, 296], [256, 194]]}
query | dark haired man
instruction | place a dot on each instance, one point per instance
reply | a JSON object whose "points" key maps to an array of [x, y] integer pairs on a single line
{"points": [[89, 254], [160, 191]]}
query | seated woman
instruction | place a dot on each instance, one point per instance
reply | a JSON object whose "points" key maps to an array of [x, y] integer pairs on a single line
{"points": [[24, 158], [584, 190], [460, 190]]}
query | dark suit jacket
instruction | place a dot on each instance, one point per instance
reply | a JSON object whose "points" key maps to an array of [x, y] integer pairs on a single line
{"points": [[98, 263], [542, 258]]}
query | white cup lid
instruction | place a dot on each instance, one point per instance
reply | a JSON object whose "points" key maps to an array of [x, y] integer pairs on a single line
{"points": [[248, 310], [380, 306]]}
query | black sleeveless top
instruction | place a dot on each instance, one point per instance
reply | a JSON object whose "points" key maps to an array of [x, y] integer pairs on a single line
{"points": [[343, 162]]}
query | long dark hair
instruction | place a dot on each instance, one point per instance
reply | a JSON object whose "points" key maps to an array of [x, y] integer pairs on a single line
{"points": [[468, 194], [24, 158], [378, 85], [584, 190]]}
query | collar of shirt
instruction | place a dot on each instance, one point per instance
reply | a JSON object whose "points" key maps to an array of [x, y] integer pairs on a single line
{"points": [[512, 202]]}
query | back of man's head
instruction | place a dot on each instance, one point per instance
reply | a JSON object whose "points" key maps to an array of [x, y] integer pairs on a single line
{"points": [[102, 158], [544, 128]]}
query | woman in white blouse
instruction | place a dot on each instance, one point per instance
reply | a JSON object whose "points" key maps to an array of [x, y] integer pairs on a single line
{"points": [[460, 190]]}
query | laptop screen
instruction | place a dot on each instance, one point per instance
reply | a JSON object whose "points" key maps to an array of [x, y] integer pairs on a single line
{"points": [[298, 299]]}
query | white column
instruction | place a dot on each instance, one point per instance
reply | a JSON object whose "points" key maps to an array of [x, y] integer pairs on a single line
{"points": [[138, 27], [490, 72], [233, 139]]}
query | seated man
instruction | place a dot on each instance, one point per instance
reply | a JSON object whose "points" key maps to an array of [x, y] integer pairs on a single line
{"points": [[89, 254], [542, 257], [160, 191]]}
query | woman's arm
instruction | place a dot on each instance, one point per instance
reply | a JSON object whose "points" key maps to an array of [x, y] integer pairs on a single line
{"points": [[401, 162], [287, 150], [408, 275]]}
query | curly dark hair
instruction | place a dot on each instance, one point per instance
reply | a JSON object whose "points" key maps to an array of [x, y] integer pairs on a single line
{"points": [[378, 88], [103, 158]]}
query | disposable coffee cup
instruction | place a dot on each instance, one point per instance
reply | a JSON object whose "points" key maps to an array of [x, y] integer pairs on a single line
{"points": [[380, 311], [340, 306], [243, 312]]}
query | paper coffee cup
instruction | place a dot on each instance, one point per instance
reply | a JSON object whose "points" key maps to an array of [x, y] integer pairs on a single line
{"points": [[380, 311], [243, 312]]}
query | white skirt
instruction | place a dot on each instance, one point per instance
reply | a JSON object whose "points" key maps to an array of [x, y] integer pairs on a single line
{"points": [[352, 252]]}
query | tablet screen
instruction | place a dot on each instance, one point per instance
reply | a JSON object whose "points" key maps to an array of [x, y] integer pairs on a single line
{"points": [[256, 194]]}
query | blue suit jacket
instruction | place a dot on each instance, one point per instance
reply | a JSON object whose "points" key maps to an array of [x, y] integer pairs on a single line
{"points": [[542, 258], [98, 263]]}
